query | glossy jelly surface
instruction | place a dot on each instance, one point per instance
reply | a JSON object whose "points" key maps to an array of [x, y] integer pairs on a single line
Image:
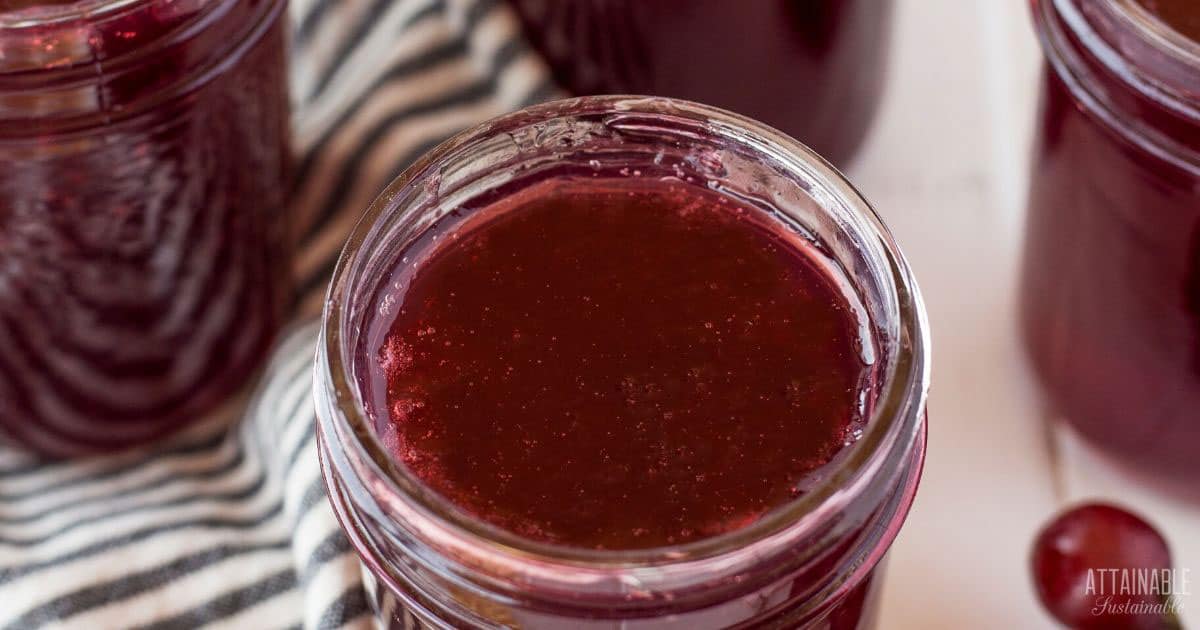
{"points": [[143, 156], [814, 69], [618, 365]]}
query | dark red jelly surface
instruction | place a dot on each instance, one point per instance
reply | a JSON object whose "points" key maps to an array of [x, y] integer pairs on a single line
{"points": [[1181, 15], [617, 364], [1112, 275], [813, 69], [142, 255]]}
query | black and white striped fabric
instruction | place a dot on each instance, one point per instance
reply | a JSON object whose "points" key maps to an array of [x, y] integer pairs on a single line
{"points": [[226, 524]]}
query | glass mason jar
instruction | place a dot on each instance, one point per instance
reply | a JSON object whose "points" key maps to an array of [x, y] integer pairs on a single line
{"points": [[813, 563], [814, 69], [143, 165], [1111, 295]]}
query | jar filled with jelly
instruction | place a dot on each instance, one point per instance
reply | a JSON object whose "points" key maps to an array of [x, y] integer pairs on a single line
{"points": [[622, 362], [143, 261], [1111, 287], [812, 68]]}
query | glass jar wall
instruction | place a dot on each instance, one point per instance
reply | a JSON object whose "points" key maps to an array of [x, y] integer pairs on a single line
{"points": [[1111, 289], [143, 165], [813, 68]]}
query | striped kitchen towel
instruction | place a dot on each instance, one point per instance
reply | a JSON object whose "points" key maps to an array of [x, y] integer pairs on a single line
{"points": [[226, 524]]}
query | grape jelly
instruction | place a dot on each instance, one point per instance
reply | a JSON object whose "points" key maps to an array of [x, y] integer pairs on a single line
{"points": [[617, 364]]}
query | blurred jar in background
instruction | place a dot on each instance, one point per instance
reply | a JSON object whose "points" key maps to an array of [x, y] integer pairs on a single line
{"points": [[1111, 301], [143, 157], [811, 68]]}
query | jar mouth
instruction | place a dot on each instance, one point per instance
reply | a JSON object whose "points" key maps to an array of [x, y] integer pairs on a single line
{"points": [[891, 429]]}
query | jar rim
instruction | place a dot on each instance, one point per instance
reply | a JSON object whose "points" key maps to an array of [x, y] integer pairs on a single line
{"points": [[1120, 61], [890, 432], [1156, 31], [80, 10], [1128, 41], [1107, 15], [92, 86]]}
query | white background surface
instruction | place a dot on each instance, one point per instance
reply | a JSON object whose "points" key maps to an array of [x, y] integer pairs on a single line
{"points": [[947, 165]]}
